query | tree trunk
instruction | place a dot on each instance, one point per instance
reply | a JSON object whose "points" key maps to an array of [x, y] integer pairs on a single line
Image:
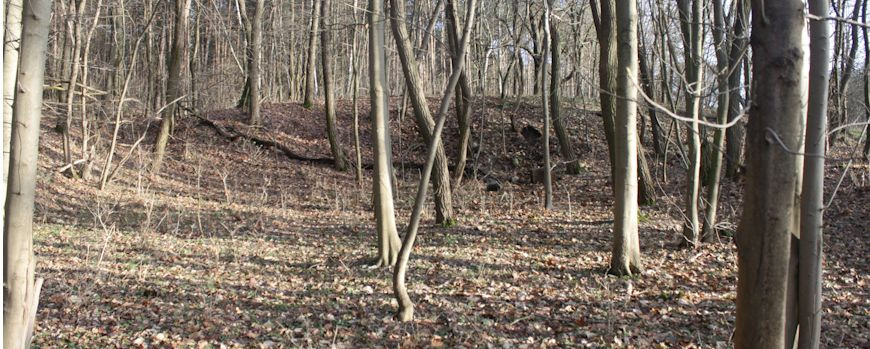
{"points": [[625, 258], [572, 165], [715, 169], [173, 88], [605, 26], [463, 96], [19, 294], [734, 135], [405, 311], [311, 65], [385, 215], [766, 226], [548, 178], [254, 70], [694, 42], [441, 182], [329, 87], [811, 206], [10, 73]]}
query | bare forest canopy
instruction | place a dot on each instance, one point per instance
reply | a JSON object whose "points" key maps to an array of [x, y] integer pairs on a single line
{"points": [[442, 173]]}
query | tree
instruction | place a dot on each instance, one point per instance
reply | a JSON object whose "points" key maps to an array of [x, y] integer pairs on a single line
{"points": [[173, 86], [605, 27], [328, 86], [767, 223], [385, 216], [572, 165], [441, 182], [255, 51], [737, 56], [811, 206], [405, 311], [10, 72], [625, 258], [20, 293], [548, 178], [311, 65], [463, 96], [693, 37]]}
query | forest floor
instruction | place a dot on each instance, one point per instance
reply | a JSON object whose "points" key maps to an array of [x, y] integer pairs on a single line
{"points": [[234, 245]]}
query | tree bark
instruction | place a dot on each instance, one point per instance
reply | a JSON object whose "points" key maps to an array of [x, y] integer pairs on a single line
{"points": [[571, 163], [173, 88], [385, 215], [11, 45], [463, 96], [19, 296], [734, 135], [766, 226], [329, 86], [254, 70], [625, 258], [405, 311], [605, 27], [694, 42], [444, 214], [548, 178], [811, 206], [311, 65]]}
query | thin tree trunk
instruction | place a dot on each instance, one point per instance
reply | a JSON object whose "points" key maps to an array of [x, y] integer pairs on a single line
{"points": [[548, 178], [694, 38], [572, 165], [722, 65], [10, 73], [441, 182], [463, 97], [625, 258], [734, 135], [311, 65], [811, 206], [19, 291], [329, 86], [605, 27], [254, 63], [406, 307], [766, 226]]}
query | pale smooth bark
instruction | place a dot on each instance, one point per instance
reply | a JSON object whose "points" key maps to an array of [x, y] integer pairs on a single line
{"points": [[382, 180], [625, 258], [311, 65], [767, 223], [10, 72], [811, 211], [693, 34], [19, 291], [709, 231]]}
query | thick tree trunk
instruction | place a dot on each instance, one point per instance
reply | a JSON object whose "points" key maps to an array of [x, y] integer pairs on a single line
{"points": [[311, 65], [625, 258], [385, 215], [173, 88], [441, 182], [19, 291], [254, 70], [766, 226]]}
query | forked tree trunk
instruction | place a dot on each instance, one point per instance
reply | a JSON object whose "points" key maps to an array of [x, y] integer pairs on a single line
{"points": [[463, 96], [625, 258], [254, 70], [19, 291], [311, 65], [385, 215], [766, 226], [329, 86], [405, 311], [173, 88], [810, 277], [441, 182]]}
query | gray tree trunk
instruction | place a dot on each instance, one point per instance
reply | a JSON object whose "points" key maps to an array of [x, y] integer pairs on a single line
{"points": [[311, 65], [734, 135], [572, 165], [625, 258], [693, 35], [173, 88], [766, 226], [385, 215], [441, 182], [19, 291], [10, 74], [605, 27], [255, 51], [329, 86]]}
